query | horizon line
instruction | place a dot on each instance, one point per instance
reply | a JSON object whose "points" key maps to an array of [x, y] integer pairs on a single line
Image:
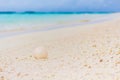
{"points": [[38, 12]]}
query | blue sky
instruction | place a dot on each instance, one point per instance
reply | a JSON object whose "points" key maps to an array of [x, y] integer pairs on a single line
{"points": [[60, 5]]}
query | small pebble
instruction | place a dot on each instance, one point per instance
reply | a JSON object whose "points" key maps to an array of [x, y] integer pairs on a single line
{"points": [[101, 60]]}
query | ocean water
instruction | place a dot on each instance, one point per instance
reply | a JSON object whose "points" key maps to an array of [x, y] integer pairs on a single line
{"points": [[23, 22]]}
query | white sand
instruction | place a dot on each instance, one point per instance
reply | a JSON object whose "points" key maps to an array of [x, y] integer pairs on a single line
{"points": [[91, 52]]}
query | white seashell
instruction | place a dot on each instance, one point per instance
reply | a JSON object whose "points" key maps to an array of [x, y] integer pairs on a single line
{"points": [[40, 53]]}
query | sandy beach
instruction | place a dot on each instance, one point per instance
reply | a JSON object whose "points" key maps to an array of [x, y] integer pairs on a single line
{"points": [[88, 52]]}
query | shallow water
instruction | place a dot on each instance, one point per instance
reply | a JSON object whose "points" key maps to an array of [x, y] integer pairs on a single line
{"points": [[12, 22]]}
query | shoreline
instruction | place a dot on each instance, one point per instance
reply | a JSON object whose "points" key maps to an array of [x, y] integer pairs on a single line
{"points": [[24, 31]]}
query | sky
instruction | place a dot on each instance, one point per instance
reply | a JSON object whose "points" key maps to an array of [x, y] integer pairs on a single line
{"points": [[60, 5]]}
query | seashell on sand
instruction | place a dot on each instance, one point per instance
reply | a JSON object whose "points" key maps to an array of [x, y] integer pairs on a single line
{"points": [[40, 53]]}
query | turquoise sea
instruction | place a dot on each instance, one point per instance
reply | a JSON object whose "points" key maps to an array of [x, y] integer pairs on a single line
{"points": [[19, 22]]}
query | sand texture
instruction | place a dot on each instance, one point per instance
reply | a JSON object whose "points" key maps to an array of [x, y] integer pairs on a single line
{"points": [[89, 52]]}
